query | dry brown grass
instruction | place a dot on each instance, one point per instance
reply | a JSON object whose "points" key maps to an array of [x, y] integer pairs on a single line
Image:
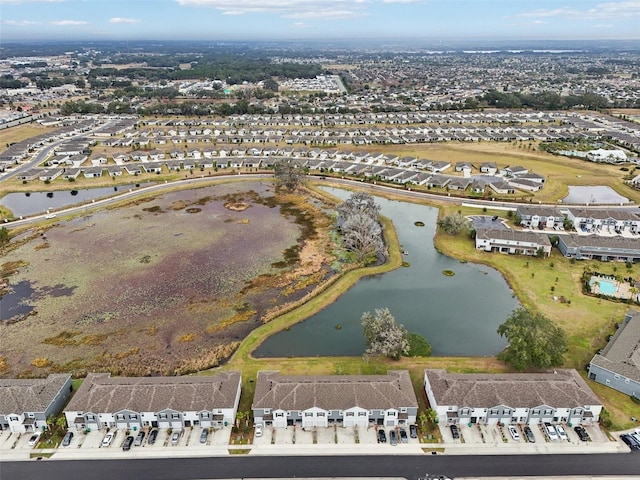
{"points": [[188, 337], [241, 316], [21, 132], [42, 362], [209, 359], [9, 268], [4, 366]]}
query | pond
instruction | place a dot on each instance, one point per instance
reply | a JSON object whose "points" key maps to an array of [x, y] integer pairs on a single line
{"points": [[458, 314], [599, 194], [34, 203]]}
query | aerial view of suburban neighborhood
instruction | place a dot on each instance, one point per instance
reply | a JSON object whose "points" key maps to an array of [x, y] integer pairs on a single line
{"points": [[342, 239]]}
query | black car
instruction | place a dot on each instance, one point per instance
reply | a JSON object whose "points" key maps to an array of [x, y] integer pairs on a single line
{"points": [[127, 443], [582, 433], [630, 441], [413, 431], [529, 434], [454, 432], [153, 434], [382, 437], [66, 441], [403, 436]]}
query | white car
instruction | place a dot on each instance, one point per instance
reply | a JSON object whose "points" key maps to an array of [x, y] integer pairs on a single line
{"points": [[258, 429], [561, 433], [514, 433], [551, 432], [108, 438], [33, 439]]}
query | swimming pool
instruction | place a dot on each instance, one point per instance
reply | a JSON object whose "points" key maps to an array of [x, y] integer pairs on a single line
{"points": [[605, 287]]}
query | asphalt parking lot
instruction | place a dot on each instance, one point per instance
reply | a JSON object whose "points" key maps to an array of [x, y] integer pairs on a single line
{"points": [[333, 435], [487, 221], [495, 434]]}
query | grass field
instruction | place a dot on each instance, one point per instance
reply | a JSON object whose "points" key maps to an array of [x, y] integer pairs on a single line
{"points": [[17, 134]]}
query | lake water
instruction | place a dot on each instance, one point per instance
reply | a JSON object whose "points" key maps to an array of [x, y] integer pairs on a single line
{"points": [[458, 315], [36, 203], [594, 194]]}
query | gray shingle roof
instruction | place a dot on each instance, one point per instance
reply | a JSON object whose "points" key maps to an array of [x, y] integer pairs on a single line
{"points": [[513, 235], [99, 393], [622, 353], [30, 395], [563, 389], [333, 392]]}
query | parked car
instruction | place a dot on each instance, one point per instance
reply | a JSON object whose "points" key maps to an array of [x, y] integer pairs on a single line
{"points": [[258, 428], [561, 433], [204, 435], [393, 440], [550, 431], [403, 436], [127, 443], [582, 433], [413, 431], [514, 433], [108, 438], [153, 434], [455, 433], [139, 438], [630, 441], [529, 434], [33, 439], [175, 437], [66, 441], [382, 436]]}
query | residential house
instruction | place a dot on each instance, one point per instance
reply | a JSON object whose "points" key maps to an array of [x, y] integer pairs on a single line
{"points": [[133, 403], [512, 241], [489, 168], [93, 172], [609, 221], [502, 187], [513, 171], [25, 404], [539, 217], [595, 247], [49, 174], [346, 400], [510, 398], [618, 364]]}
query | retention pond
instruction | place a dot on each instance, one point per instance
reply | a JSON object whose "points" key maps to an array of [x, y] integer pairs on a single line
{"points": [[459, 315]]}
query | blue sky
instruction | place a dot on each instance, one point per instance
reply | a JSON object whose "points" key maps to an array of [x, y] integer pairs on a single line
{"points": [[317, 19]]}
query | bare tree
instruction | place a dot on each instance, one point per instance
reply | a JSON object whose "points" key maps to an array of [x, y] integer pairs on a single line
{"points": [[359, 203], [383, 335], [289, 172], [363, 236], [361, 230]]}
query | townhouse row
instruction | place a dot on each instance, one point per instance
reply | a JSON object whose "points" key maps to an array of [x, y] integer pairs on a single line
{"points": [[307, 401]]}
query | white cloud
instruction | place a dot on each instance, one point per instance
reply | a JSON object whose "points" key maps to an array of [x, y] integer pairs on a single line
{"points": [[606, 10], [539, 22], [69, 23], [300, 25], [20, 23], [124, 20], [287, 8], [602, 25]]}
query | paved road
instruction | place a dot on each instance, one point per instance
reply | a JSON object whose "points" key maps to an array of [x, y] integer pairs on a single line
{"points": [[410, 467]]}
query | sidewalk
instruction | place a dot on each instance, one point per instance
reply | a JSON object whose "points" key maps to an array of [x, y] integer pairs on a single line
{"points": [[317, 449]]}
